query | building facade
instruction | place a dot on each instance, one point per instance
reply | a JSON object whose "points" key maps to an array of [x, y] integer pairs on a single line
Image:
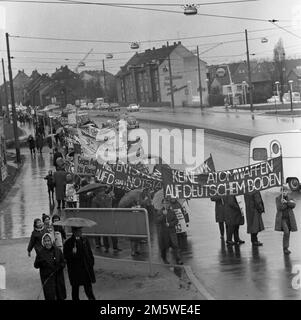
{"points": [[145, 78]]}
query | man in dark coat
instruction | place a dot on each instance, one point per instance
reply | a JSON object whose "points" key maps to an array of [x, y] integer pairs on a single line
{"points": [[285, 217], [233, 219], [32, 145], [220, 214], [167, 221], [39, 142], [60, 181], [56, 155], [50, 261], [254, 210], [80, 262]]}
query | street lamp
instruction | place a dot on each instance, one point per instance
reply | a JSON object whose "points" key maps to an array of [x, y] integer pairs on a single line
{"points": [[277, 83], [291, 95], [244, 85]]}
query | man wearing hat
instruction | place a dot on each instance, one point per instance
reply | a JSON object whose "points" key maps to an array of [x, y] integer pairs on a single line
{"points": [[285, 217], [80, 262]]}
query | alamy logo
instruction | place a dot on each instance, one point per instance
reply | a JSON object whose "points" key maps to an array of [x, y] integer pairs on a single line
{"points": [[174, 147], [2, 277]]}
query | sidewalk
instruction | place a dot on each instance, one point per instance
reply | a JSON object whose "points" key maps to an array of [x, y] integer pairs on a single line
{"points": [[115, 279]]}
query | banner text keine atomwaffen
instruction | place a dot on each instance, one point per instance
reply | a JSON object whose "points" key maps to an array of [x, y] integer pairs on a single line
{"points": [[257, 177]]}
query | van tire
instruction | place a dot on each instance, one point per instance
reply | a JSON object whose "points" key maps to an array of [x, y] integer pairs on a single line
{"points": [[294, 184]]}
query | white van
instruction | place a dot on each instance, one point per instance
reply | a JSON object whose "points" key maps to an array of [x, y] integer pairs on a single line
{"points": [[272, 145]]}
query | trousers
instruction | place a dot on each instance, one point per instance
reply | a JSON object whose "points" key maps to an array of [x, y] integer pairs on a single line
{"points": [[88, 291]]}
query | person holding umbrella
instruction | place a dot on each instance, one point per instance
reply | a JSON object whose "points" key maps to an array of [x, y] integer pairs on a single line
{"points": [[79, 257]]}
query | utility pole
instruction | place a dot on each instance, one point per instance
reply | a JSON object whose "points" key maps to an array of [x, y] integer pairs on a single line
{"points": [[199, 75], [104, 80], [171, 84], [249, 72], [17, 145], [5, 92]]}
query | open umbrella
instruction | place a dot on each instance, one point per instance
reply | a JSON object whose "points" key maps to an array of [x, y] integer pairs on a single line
{"points": [[127, 200], [90, 187], [76, 222]]}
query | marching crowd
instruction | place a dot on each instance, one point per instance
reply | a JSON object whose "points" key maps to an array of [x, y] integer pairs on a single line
{"points": [[54, 251]]}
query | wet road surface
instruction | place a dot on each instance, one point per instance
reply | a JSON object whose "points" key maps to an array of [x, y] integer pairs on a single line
{"points": [[227, 273]]}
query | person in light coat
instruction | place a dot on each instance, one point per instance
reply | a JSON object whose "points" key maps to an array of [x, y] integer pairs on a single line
{"points": [[285, 218]]}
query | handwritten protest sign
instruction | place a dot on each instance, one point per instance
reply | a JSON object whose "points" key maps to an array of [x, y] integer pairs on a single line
{"points": [[256, 177], [85, 166]]}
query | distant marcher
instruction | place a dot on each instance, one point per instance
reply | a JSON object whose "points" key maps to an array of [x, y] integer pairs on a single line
{"points": [[167, 221], [254, 211], [85, 198], [32, 145], [59, 232], [35, 241], [50, 185], [285, 217], [50, 261], [233, 219], [103, 200], [49, 142], [220, 214], [39, 142], [71, 196], [56, 155], [60, 187], [80, 262]]}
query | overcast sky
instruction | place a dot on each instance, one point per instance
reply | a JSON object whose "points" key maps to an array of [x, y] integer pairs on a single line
{"points": [[122, 24]]}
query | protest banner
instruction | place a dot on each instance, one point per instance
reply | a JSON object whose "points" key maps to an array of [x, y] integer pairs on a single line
{"points": [[72, 118], [256, 177], [85, 166]]}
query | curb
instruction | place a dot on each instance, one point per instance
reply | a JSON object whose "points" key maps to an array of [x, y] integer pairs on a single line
{"points": [[202, 290], [227, 134], [220, 133]]}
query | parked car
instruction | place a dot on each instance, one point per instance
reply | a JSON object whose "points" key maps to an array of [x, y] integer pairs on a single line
{"points": [[273, 99], [114, 107], [133, 107], [104, 106], [132, 122], [90, 106], [295, 95], [83, 106]]}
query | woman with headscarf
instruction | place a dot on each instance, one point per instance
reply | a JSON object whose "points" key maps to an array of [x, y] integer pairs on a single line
{"points": [[50, 261], [36, 236]]}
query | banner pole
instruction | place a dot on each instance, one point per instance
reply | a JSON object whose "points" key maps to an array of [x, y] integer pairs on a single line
{"points": [[151, 273]]}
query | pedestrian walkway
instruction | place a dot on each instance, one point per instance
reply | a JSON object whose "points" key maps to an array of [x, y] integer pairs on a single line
{"points": [[28, 198]]}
